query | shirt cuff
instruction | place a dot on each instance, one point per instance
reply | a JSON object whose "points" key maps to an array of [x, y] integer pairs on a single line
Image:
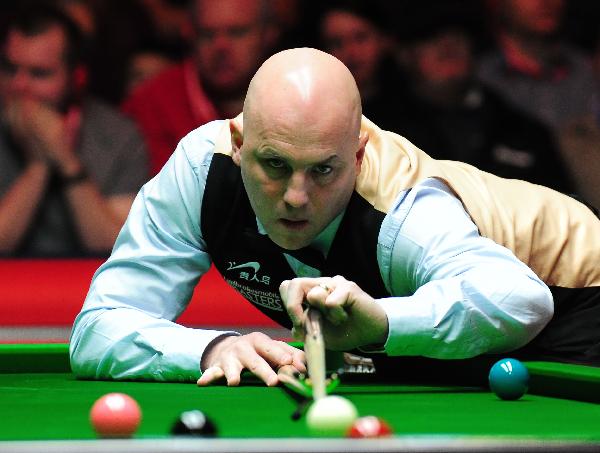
{"points": [[409, 326]]}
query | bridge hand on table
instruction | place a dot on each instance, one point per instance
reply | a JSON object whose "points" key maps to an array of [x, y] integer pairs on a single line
{"points": [[255, 352]]}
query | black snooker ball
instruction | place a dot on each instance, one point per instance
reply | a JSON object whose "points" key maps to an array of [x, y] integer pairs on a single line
{"points": [[194, 423]]}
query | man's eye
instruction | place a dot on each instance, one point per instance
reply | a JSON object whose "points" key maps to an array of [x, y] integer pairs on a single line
{"points": [[205, 35], [40, 73], [275, 163], [7, 67], [239, 32], [323, 169]]}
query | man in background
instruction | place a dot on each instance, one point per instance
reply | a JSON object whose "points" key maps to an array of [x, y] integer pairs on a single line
{"points": [[231, 39], [70, 165], [535, 68], [452, 115], [358, 35]]}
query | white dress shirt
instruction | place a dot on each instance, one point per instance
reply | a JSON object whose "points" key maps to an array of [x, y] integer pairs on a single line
{"points": [[455, 294]]}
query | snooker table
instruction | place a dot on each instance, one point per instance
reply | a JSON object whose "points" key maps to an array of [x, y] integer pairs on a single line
{"points": [[44, 408]]}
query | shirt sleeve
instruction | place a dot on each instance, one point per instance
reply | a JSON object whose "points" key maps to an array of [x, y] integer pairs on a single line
{"points": [[455, 294], [127, 329]]}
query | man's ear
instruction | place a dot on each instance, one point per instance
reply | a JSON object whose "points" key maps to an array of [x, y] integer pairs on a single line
{"points": [[363, 139], [80, 80], [237, 140]]}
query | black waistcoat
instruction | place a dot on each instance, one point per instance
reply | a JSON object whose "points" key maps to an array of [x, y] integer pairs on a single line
{"points": [[255, 267]]}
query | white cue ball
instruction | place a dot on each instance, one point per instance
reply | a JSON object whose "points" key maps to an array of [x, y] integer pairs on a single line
{"points": [[331, 415]]}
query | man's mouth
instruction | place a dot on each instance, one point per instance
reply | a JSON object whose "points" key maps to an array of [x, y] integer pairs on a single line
{"points": [[294, 224]]}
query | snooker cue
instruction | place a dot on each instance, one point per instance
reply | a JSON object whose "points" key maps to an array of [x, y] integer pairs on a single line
{"points": [[314, 349]]}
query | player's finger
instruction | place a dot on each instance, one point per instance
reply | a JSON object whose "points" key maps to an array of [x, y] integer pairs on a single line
{"points": [[316, 295], [291, 301], [261, 369], [276, 353], [337, 305], [293, 295], [340, 301], [248, 354], [232, 370], [336, 315], [330, 299], [210, 375], [284, 286], [298, 359]]}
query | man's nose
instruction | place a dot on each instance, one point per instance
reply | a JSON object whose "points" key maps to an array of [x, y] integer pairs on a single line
{"points": [[222, 41], [19, 82], [296, 192]]}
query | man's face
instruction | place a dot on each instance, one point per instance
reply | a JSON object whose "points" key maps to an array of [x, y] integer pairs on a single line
{"points": [[444, 58], [298, 179], [230, 43], [35, 67], [355, 42]]}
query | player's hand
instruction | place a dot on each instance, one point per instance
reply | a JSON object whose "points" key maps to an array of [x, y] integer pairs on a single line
{"points": [[255, 352], [352, 318]]}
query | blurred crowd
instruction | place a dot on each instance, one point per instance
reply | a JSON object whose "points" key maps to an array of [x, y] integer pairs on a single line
{"points": [[96, 94]]}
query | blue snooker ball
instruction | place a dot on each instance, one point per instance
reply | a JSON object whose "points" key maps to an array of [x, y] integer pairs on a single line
{"points": [[509, 379]]}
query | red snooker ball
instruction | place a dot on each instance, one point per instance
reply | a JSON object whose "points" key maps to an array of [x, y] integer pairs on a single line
{"points": [[369, 427], [115, 415]]}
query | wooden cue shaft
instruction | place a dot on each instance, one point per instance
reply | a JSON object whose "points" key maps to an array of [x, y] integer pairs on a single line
{"points": [[314, 348]]}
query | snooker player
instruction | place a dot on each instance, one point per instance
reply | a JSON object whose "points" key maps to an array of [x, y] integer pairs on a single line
{"points": [[302, 200]]}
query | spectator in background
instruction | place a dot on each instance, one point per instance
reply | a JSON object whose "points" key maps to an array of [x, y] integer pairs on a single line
{"points": [[145, 63], [449, 113], [171, 25], [538, 70], [358, 35], [533, 66], [114, 31], [232, 38], [71, 165]]}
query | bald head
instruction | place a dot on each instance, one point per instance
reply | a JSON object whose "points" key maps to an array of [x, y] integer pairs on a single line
{"points": [[304, 87]]}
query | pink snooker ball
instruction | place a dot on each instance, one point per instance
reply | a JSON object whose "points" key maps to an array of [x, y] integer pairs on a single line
{"points": [[115, 415]]}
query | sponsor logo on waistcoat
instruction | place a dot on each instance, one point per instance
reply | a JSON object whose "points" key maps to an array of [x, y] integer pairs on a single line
{"points": [[242, 276]]}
